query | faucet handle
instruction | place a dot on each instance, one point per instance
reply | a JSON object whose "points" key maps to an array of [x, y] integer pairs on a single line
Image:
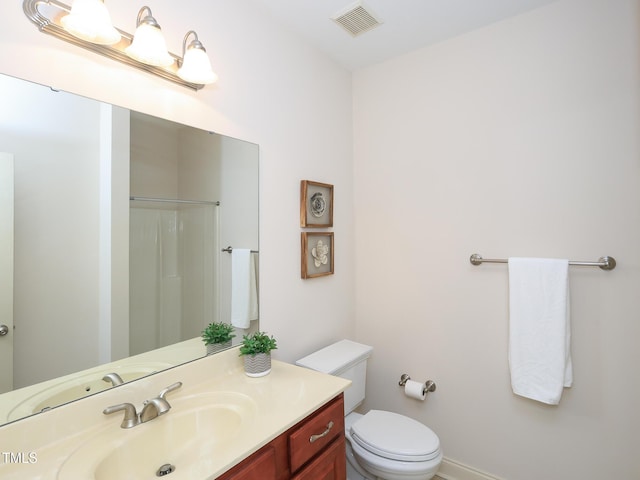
{"points": [[170, 388], [113, 378], [131, 418]]}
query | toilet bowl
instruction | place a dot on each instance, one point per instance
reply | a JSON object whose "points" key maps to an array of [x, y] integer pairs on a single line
{"points": [[381, 445], [386, 445]]}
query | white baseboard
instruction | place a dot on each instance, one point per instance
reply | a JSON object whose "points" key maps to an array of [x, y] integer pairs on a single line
{"points": [[452, 470]]}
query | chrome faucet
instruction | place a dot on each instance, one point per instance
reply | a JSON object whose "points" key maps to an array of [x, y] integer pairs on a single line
{"points": [[131, 417], [152, 408], [114, 378]]}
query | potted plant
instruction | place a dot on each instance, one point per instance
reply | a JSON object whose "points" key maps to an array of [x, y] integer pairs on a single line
{"points": [[217, 336], [256, 349]]}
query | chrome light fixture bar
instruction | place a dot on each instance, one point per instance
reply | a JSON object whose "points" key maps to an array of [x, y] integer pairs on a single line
{"points": [[47, 14]]}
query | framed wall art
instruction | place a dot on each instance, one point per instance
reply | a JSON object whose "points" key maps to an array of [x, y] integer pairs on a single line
{"points": [[316, 204], [317, 254]]}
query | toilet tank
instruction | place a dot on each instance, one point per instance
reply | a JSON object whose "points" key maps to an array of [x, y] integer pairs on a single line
{"points": [[345, 359]]}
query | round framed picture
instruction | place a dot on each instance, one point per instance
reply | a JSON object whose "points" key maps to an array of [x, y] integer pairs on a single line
{"points": [[316, 204]]}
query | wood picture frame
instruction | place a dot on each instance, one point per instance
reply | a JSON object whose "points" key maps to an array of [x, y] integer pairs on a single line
{"points": [[317, 254], [316, 204]]}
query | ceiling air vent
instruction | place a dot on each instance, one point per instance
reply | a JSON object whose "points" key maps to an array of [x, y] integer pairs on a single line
{"points": [[356, 19]]}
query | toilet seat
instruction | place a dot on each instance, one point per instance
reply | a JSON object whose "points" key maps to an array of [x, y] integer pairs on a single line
{"points": [[395, 437]]}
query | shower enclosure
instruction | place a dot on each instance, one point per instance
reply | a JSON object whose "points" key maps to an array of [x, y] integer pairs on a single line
{"points": [[173, 271], [174, 234]]}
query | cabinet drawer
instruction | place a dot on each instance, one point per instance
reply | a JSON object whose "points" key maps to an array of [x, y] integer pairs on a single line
{"points": [[315, 433]]}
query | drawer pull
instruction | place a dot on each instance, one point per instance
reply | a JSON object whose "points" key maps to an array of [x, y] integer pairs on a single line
{"points": [[313, 438]]}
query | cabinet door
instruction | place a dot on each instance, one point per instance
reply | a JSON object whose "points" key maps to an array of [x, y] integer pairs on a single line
{"points": [[330, 465], [262, 466]]}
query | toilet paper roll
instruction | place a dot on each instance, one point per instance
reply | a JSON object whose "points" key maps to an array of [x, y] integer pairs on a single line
{"points": [[415, 390]]}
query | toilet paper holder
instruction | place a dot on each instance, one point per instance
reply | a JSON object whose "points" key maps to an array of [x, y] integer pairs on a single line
{"points": [[429, 385]]}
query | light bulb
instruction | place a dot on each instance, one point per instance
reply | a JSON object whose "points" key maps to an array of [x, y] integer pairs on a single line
{"points": [[148, 44], [196, 67], [90, 20]]}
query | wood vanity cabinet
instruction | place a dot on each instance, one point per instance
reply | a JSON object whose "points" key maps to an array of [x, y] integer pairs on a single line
{"points": [[313, 449]]}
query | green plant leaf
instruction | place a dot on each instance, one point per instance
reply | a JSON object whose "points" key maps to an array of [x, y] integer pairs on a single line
{"points": [[257, 342], [218, 332]]}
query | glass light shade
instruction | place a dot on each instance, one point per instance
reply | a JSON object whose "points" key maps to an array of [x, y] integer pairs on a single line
{"points": [[149, 47], [196, 67], [90, 20]]}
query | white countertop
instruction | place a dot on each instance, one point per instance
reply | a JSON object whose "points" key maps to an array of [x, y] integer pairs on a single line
{"points": [[24, 401], [285, 396]]}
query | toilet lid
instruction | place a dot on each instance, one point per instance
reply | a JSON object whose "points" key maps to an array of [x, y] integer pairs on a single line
{"points": [[394, 436]]}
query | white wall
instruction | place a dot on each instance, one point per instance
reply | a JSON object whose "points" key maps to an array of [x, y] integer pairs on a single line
{"points": [[56, 189], [274, 91], [154, 163], [520, 139], [113, 335]]}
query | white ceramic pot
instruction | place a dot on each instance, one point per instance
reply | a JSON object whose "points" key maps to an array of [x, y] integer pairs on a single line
{"points": [[216, 347], [257, 365]]}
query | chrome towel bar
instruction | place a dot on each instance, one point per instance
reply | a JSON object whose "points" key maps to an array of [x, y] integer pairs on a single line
{"points": [[174, 200], [229, 249], [605, 263]]}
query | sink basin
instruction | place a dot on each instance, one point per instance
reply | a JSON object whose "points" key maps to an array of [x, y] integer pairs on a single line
{"points": [[187, 438], [79, 386]]}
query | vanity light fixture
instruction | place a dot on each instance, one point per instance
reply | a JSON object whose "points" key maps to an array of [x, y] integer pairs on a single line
{"points": [[195, 65], [87, 24]]}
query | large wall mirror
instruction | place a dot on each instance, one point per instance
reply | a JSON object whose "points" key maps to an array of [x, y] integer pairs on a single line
{"points": [[115, 230]]}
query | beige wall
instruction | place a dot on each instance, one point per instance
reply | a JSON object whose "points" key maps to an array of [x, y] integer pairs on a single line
{"points": [[238, 213], [520, 139], [274, 91]]}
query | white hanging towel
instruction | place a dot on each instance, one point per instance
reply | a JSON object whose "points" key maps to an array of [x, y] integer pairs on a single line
{"points": [[244, 289], [539, 328]]}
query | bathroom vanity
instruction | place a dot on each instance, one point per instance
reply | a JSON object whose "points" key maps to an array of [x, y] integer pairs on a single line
{"points": [[222, 425], [314, 448]]}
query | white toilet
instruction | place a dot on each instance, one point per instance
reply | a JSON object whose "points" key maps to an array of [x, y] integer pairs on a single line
{"points": [[380, 445]]}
